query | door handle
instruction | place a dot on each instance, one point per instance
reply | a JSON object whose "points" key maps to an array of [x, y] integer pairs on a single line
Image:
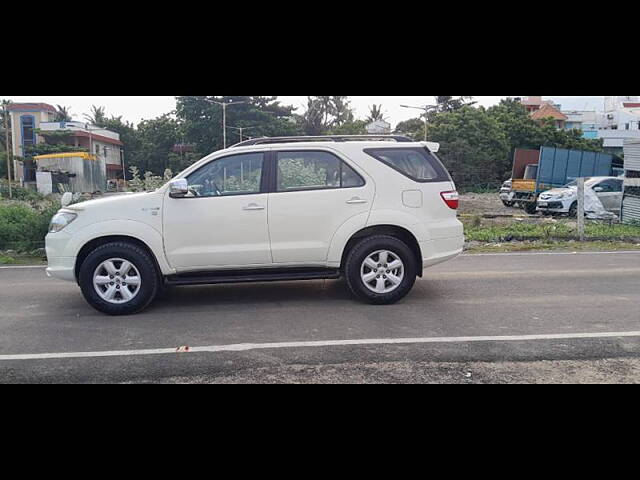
{"points": [[355, 200], [253, 206]]}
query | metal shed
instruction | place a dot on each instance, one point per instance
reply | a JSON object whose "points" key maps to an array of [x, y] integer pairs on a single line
{"points": [[631, 199], [632, 155], [87, 174]]}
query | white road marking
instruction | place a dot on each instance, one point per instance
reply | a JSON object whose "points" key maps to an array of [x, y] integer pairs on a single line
{"points": [[241, 347]]}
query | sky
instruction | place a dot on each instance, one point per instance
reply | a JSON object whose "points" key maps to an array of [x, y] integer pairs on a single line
{"points": [[137, 108]]}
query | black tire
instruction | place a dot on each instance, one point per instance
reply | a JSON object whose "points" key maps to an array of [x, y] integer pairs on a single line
{"points": [[507, 204], [368, 246], [573, 210], [530, 208], [149, 285]]}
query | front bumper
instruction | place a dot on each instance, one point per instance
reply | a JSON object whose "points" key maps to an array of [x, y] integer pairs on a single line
{"points": [[554, 205], [59, 263], [62, 268]]}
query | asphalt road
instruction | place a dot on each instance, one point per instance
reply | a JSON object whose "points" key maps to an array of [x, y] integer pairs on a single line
{"points": [[483, 298]]}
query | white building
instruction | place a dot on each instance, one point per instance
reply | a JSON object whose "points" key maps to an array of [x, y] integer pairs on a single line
{"points": [[620, 121], [30, 124], [378, 127]]}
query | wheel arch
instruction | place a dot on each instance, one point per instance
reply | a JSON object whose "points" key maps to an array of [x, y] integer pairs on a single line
{"points": [[94, 243], [385, 229]]}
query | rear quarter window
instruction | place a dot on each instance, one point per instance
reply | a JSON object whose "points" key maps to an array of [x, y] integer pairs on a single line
{"points": [[419, 164]]}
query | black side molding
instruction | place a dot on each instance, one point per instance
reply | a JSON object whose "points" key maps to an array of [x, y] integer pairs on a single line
{"points": [[244, 276]]}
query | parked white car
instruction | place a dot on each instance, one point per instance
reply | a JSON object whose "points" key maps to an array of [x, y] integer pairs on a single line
{"points": [[375, 211], [506, 194], [565, 199]]}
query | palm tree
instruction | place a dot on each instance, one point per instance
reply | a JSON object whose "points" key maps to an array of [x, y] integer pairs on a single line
{"points": [[96, 116], [63, 114], [375, 113]]}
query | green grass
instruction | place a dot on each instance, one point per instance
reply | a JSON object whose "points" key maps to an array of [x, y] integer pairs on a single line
{"points": [[21, 260], [474, 231]]}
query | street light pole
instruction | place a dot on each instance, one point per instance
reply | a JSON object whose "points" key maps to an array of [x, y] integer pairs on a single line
{"points": [[6, 129], [240, 129], [426, 109], [224, 118]]}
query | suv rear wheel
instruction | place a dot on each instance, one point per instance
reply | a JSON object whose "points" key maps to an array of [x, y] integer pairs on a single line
{"points": [[119, 278], [380, 269]]}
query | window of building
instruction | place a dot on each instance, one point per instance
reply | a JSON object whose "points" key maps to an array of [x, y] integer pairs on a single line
{"points": [[27, 125]]}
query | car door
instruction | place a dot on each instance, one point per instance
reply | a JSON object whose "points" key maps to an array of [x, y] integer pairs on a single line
{"points": [[610, 194], [314, 193], [222, 222], [616, 198]]}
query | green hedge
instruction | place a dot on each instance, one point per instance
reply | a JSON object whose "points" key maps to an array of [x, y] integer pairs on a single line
{"points": [[23, 226]]}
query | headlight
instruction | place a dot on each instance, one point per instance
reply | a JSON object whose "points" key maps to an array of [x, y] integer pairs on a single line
{"points": [[61, 220]]}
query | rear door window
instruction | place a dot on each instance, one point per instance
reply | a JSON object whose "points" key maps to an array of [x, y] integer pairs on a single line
{"points": [[313, 170], [419, 164]]}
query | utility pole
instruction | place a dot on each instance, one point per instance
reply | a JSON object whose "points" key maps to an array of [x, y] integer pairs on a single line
{"points": [[581, 208], [6, 132], [224, 118], [240, 129], [426, 109]]}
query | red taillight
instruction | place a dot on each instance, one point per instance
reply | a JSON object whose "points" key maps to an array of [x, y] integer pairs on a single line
{"points": [[451, 199]]}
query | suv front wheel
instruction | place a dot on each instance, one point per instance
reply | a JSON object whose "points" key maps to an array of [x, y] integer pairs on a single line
{"points": [[380, 269], [119, 278]]}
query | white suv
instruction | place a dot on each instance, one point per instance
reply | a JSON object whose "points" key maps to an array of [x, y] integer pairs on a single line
{"points": [[373, 210]]}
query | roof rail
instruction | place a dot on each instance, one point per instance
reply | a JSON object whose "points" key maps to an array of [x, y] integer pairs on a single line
{"points": [[323, 138]]}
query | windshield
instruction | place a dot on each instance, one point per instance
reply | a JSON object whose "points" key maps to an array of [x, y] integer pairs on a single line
{"points": [[574, 183]]}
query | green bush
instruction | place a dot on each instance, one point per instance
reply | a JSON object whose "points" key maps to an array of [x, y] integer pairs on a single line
{"points": [[23, 226], [7, 260], [18, 193]]}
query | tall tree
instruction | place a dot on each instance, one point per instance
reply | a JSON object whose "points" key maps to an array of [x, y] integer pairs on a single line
{"points": [[413, 128], [375, 113], [96, 116], [471, 145], [324, 114], [63, 114], [450, 104], [201, 120]]}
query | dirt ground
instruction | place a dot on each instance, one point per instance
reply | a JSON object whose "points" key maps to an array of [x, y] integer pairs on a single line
{"points": [[481, 203], [609, 371]]}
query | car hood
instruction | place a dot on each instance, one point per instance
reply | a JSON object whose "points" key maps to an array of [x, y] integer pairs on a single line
{"points": [[558, 191], [138, 207], [115, 201]]}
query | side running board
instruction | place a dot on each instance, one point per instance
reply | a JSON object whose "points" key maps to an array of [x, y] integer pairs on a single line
{"points": [[243, 276]]}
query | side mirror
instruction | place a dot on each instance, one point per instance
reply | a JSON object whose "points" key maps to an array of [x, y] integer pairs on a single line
{"points": [[598, 189], [67, 198], [178, 188]]}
